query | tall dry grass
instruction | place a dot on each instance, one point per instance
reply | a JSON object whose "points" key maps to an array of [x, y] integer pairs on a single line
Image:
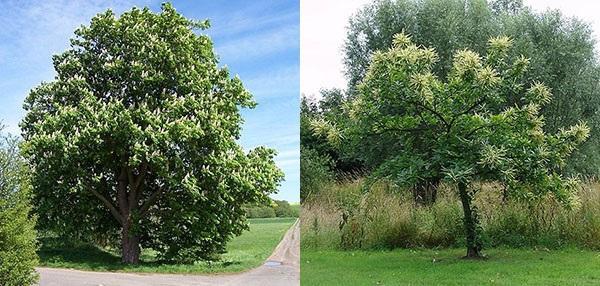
{"points": [[345, 216]]}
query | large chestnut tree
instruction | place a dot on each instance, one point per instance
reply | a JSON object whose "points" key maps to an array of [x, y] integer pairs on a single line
{"points": [[457, 128], [136, 138]]}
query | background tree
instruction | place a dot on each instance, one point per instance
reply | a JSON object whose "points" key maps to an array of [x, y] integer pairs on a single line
{"points": [[457, 129], [17, 235], [315, 170], [136, 138], [276, 208], [320, 162], [560, 49]]}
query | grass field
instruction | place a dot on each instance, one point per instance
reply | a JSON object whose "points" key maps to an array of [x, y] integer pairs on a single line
{"points": [[445, 267], [244, 252]]}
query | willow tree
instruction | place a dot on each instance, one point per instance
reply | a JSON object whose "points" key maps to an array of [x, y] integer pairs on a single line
{"points": [[456, 128], [137, 137]]}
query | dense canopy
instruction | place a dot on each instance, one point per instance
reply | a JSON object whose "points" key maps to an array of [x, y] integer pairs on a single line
{"points": [[560, 49], [137, 137], [457, 129]]}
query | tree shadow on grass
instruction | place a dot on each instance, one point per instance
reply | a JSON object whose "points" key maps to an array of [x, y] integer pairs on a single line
{"points": [[63, 253], [58, 252]]}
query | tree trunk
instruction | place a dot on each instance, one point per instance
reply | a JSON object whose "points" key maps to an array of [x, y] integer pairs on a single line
{"points": [[129, 209], [471, 223], [425, 193], [130, 246], [130, 242]]}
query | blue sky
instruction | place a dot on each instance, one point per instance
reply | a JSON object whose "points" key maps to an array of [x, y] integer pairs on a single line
{"points": [[258, 40]]}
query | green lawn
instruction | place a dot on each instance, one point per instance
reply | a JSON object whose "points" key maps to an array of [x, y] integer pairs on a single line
{"points": [[244, 252], [445, 267]]}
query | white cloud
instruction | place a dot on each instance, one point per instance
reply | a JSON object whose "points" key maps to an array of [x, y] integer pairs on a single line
{"points": [[274, 83], [239, 22], [292, 163], [259, 44], [31, 32], [322, 33], [44, 28], [582, 9]]}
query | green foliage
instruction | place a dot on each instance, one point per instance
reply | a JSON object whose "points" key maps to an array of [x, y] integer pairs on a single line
{"points": [[457, 129], [17, 235], [446, 26], [315, 170], [260, 211], [315, 153], [560, 50], [284, 209], [137, 137], [278, 208], [329, 108]]}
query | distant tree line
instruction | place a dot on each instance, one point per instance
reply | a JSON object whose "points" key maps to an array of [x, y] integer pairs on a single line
{"points": [[279, 208]]}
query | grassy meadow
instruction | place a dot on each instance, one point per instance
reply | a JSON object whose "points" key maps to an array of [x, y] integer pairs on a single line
{"points": [[244, 252], [506, 266], [380, 237], [345, 217]]}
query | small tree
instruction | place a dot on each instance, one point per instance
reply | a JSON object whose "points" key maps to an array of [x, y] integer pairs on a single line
{"points": [[561, 51], [136, 137], [457, 129], [17, 235]]}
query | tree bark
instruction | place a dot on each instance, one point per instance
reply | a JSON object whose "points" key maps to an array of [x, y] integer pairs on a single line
{"points": [[130, 245], [128, 210], [425, 193], [130, 242], [471, 222]]}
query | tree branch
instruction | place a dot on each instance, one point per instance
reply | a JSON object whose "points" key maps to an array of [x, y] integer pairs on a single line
{"points": [[479, 102], [141, 176], [437, 114], [153, 198], [477, 129], [111, 207], [417, 129], [134, 185]]}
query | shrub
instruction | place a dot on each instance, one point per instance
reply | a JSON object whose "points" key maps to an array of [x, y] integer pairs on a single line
{"points": [[296, 209], [315, 170], [17, 235]]}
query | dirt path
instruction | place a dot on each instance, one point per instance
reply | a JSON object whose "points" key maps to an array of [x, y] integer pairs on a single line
{"points": [[281, 268]]}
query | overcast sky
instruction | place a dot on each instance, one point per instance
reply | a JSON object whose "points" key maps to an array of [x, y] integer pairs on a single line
{"points": [[259, 42], [323, 29]]}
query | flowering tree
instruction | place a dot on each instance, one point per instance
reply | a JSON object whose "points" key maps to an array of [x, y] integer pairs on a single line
{"points": [[456, 129], [137, 137]]}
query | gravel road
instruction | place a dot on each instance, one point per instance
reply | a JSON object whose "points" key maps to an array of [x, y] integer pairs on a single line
{"points": [[281, 268]]}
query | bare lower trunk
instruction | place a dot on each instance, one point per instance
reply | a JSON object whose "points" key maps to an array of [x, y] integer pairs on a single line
{"points": [[425, 193], [129, 209], [471, 223], [130, 246]]}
